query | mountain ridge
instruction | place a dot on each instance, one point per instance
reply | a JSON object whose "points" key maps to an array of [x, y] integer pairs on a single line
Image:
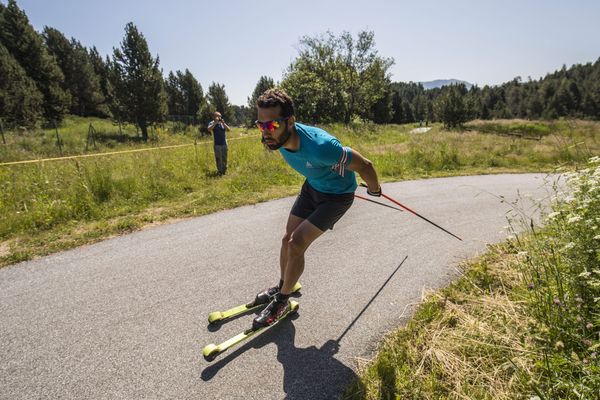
{"points": [[437, 83]]}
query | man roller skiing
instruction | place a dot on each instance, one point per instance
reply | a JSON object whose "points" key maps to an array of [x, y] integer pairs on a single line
{"points": [[327, 192]]}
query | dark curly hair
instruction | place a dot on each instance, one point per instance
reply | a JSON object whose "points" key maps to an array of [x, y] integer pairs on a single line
{"points": [[277, 97]]}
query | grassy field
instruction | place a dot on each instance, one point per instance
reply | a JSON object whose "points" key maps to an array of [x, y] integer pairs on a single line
{"points": [[54, 205], [73, 137], [522, 323]]}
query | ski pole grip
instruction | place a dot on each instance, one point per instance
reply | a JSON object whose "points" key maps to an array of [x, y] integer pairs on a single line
{"points": [[375, 194]]}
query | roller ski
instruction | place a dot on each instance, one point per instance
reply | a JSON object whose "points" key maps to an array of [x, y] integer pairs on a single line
{"points": [[274, 312], [262, 299]]}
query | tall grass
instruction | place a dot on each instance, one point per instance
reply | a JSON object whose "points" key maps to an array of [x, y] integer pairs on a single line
{"points": [[561, 268], [41, 196], [71, 137], [523, 322]]}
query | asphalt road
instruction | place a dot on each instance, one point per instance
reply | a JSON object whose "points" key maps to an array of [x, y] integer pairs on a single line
{"points": [[126, 318]]}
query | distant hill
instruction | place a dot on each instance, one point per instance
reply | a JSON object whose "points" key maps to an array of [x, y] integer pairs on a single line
{"points": [[444, 82]]}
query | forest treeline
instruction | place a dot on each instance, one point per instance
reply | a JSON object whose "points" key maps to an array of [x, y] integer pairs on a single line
{"points": [[45, 76]]}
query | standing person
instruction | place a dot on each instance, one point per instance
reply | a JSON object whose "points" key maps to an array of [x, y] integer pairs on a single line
{"points": [[218, 127], [327, 192]]}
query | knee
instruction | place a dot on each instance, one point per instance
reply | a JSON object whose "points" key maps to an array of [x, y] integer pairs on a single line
{"points": [[295, 245], [285, 239]]}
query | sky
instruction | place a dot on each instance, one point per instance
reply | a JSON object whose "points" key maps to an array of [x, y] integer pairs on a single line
{"points": [[235, 42]]}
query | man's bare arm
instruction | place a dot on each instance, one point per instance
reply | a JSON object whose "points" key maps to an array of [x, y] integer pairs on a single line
{"points": [[364, 167]]}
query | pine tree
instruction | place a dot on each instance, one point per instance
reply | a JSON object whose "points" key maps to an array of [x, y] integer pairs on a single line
{"points": [[29, 50], [138, 84], [184, 93], [81, 80], [192, 92], [102, 70], [20, 100], [174, 95], [218, 100], [450, 107], [264, 83]]}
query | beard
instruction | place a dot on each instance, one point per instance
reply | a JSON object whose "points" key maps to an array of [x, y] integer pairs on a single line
{"points": [[275, 144]]}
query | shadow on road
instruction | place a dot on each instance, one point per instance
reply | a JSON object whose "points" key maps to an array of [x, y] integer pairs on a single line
{"points": [[312, 372], [309, 373]]}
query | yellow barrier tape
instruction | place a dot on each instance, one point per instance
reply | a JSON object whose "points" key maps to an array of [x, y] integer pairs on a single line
{"points": [[109, 153]]}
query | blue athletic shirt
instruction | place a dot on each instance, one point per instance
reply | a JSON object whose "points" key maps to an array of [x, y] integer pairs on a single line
{"points": [[322, 159]]}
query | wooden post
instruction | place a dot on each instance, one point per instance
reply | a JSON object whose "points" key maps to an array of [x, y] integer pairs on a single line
{"points": [[2, 132], [91, 137], [58, 141]]}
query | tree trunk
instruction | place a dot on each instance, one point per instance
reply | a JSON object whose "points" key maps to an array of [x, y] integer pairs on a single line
{"points": [[144, 129]]}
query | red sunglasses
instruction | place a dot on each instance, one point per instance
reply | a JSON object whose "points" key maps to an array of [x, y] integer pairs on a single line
{"points": [[270, 125]]}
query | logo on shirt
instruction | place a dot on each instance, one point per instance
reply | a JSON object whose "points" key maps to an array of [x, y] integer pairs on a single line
{"points": [[309, 165]]}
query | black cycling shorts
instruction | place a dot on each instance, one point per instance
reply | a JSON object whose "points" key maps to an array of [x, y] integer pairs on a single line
{"points": [[323, 210]]}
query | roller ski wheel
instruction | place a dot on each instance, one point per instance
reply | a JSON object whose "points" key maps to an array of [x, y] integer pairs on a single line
{"points": [[211, 351]]}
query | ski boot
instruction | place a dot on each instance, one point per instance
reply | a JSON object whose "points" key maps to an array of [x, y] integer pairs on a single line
{"points": [[276, 309]]}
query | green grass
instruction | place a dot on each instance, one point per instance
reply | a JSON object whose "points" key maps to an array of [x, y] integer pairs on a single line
{"points": [[523, 321], [54, 205], [109, 136]]}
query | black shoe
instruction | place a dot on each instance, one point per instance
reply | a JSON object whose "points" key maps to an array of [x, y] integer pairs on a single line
{"points": [[265, 296], [271, 314]]}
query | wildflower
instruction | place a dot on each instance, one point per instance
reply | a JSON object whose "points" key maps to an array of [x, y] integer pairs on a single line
{"points": [[589, 325], [579, 318], [584, 274], [593, 355], [553, 215], [574, 219], [569, 246], [557, 301], [597, 237], [559, 345]]}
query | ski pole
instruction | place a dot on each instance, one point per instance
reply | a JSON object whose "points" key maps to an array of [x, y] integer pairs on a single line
{"points": [[415, 213], [378, 202]]}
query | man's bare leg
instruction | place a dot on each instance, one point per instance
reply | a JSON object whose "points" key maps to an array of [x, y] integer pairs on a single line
{"points": [[292, 223], [292, 251]]}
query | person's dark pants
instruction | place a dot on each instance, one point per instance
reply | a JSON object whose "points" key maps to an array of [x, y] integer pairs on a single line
{"points": [[221, 158]]}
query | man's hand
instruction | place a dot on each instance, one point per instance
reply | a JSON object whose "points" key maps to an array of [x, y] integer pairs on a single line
{"points": [[376, 193]]}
